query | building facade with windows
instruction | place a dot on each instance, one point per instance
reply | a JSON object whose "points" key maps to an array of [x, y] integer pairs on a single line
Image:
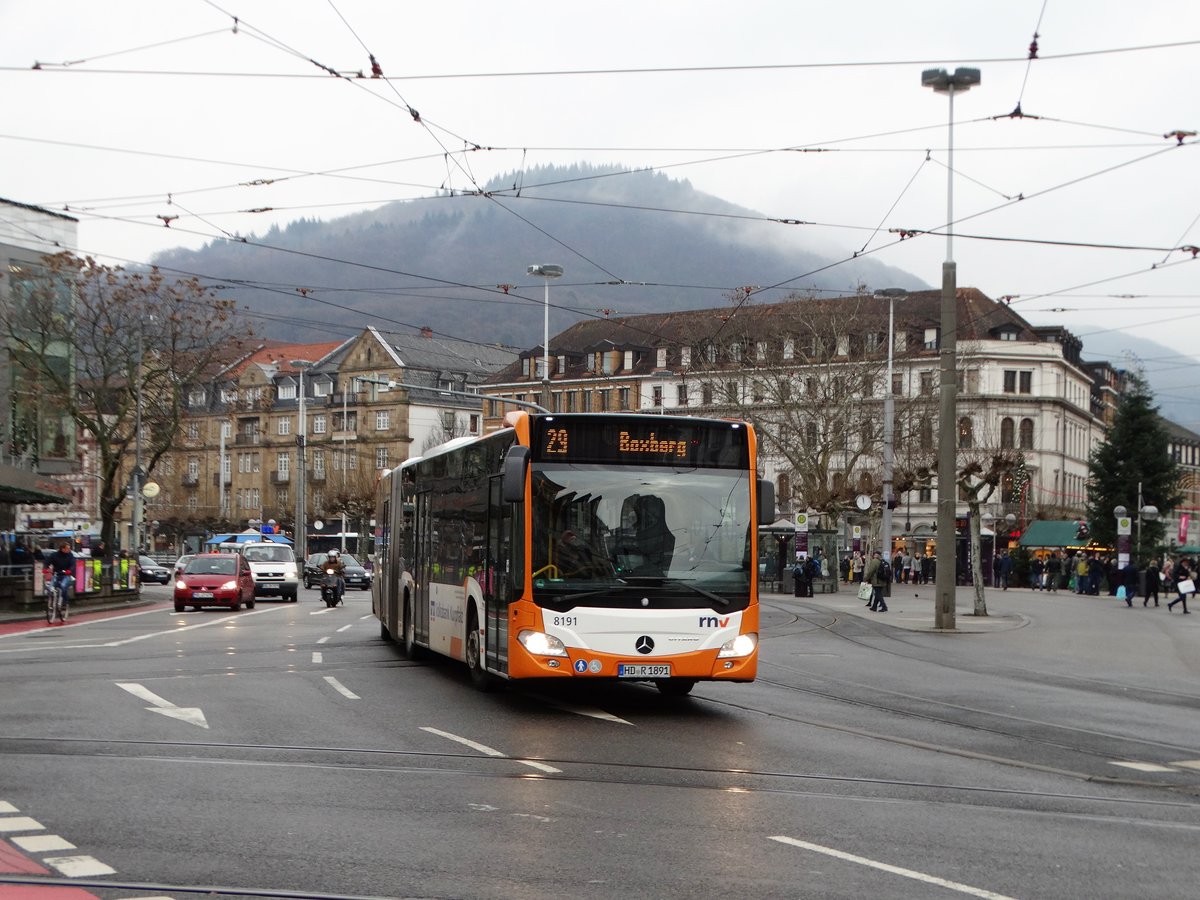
{"points": [[813, 373], [366, 402]]}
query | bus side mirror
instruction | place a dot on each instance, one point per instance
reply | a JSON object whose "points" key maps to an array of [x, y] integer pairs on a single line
{"points": [[766, 502], [516, 461]]}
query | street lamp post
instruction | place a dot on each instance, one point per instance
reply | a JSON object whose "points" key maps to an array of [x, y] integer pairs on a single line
{"points": [[546, 272], [941, 81], [889, 425], [299, 535]]}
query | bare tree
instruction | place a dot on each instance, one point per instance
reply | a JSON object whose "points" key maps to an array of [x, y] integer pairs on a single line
{"points": [[103, 345], [810, 377], [356, 497]]}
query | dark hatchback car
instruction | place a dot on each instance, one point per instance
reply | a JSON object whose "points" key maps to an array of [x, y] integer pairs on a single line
{"points": [[356, 576]]}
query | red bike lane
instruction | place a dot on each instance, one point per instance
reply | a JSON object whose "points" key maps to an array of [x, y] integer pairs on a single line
{"points": [[14, 862], [19, 626]]}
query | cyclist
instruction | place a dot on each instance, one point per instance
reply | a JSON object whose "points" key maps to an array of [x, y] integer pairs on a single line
{"points": [[62, 570]]}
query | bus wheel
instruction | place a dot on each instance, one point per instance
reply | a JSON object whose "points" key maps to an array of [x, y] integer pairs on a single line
{"points": [[409, 627], [479, 677], [675, 687]]}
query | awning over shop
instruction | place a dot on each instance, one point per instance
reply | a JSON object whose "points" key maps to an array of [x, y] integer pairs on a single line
{"points": [[23, 486], [1053, 533]]}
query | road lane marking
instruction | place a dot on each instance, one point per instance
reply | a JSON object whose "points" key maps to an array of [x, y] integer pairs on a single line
{"points": [[6, 807], [1188, 763], [317, 657], [323, 640], [894, 870], [345, 627], [9, 824], [66, 645], [191, 714], [589, 711], [490, 751], [43, 843], [79, 866], [321, 612], [1144, 767], [341, 688]]}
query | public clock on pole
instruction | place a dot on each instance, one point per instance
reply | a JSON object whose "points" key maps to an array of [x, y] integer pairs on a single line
{"points": [[863, 502]]}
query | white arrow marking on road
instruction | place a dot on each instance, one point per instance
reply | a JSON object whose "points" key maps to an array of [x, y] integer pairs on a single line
{"points": [[192, 714], [589, 711]]}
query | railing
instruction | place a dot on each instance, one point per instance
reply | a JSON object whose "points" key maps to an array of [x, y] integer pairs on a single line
{"points": [[281, 477], [242, 439], [217, 479], [190, 480]]}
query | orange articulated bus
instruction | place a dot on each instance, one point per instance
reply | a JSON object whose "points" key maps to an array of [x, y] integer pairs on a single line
{"points": [[587, 546]]}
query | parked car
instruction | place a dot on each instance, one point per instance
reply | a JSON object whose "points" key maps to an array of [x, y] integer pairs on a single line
{"points": [[149, 570], [355, 575], [215, 579]]}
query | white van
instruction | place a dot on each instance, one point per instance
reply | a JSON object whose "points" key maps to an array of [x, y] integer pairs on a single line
{"points": [[274, 568]]}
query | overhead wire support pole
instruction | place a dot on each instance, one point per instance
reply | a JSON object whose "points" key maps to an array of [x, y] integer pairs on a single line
{"points": [[946, 576]]}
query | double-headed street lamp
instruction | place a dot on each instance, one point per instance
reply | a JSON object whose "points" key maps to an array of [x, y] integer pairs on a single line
{"points": [[1145, 513], [546, 272], [889, 424], [945, 582]]}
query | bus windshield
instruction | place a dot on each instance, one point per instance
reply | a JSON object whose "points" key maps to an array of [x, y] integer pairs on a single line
{"points": [[620, 535]]}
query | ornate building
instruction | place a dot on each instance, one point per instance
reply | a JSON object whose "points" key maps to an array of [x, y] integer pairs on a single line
{"points": [[812, 374]]}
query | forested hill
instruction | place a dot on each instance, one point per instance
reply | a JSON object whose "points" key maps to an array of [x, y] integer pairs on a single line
{"points": [[421, 262]]}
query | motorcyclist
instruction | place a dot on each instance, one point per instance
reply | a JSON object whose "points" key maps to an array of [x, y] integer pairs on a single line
{"points": [[334, 561]]}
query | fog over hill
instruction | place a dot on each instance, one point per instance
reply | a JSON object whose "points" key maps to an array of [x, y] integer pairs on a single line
{"points": [[437, 262]]}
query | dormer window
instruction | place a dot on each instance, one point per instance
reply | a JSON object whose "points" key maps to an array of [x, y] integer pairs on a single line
{"points": [[1007, 334]]}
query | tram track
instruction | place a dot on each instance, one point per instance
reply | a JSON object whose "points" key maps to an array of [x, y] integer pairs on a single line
{"points": [[855, 694], [460, 764]]}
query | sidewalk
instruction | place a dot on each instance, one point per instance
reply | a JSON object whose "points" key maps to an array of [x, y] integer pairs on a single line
{"points": [[911, 607]]}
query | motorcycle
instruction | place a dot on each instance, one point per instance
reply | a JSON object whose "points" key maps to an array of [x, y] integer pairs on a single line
{"points": [[330, 589]]}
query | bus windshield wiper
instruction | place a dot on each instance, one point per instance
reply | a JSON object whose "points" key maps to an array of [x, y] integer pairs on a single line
{"points": [[723, 601]]}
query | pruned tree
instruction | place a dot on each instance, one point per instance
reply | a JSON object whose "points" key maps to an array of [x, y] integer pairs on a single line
{"points": [[980, 472], [104, 345]]}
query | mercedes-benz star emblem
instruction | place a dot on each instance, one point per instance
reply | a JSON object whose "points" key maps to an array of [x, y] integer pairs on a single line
{"points": [[644, 644]]}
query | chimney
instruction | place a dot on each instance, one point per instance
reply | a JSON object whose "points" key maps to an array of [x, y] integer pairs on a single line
{"points": [[427, 332]]}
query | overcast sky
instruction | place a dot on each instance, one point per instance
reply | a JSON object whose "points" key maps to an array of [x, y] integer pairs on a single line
{"points": [[141, 110]]}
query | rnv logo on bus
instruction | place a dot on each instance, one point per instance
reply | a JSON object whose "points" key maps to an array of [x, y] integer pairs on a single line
{"points": [[713, 622]]}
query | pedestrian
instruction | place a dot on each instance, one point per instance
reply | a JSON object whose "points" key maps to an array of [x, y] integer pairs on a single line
{"points": [[856, 567], [898, 566], [917, 563], [845, 567], [874, 576], [1153, 577], [1184, 584], [798, 579], [1037, 569], [1054, 568], [1004, 569], [1128, 578]]}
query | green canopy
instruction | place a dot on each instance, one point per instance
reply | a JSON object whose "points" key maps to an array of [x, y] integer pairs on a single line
{"points": [[1053, 533]]}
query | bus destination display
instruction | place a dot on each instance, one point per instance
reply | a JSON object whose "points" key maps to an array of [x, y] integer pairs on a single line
{"points": [[633, 440]]}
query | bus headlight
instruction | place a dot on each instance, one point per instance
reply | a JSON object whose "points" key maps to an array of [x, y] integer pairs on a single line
{"points": [[541, 644], [742, 645]]}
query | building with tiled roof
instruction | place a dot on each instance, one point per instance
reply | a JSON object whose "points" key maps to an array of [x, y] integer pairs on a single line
{"points": [[1020, 387]]}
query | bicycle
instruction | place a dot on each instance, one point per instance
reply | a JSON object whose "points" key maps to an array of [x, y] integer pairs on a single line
{"points": [[56, 606]]}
